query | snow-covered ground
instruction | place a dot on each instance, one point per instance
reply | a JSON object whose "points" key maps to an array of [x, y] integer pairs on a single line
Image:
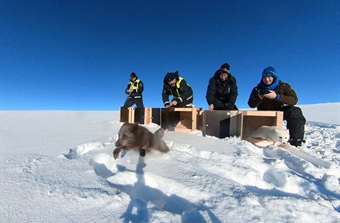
{"points": [[57, 166]]}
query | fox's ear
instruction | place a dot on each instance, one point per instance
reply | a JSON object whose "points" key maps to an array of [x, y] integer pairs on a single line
{"points": [[134, 127]]}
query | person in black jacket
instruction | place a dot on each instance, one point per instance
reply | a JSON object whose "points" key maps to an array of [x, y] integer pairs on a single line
{"points": [[134, 89], [222, 90], [180, 90]]}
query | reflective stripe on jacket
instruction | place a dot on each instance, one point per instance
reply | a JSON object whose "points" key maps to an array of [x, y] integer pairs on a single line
{"points": [[178, 86], [134, 85]]}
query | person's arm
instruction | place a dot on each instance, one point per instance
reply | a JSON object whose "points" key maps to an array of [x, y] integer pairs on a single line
{"points": [[211, 91], [288, 96], [254, 99], [128, 90], [233, 92], [140, 87], [165, 97]]}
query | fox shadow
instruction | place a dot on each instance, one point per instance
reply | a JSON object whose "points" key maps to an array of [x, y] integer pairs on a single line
{"points": [[142, 194]]}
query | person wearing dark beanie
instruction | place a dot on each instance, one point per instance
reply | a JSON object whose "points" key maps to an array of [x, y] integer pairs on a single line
{"points": [[222, 90], [273, 94], [179, 89], [134, 90]]}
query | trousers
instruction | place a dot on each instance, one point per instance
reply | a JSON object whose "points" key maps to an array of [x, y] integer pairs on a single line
{"points": [[131, 101], [295, 122]]}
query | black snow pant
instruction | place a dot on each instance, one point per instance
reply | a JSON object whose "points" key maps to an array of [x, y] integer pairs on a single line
{"points": [[295, 122], [139, 111], [131, 101]]}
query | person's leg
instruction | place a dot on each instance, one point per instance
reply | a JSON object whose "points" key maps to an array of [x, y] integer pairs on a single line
{"points": [[184, 105], [295, 124], [139, 112], [139, 102], [129, 102]]}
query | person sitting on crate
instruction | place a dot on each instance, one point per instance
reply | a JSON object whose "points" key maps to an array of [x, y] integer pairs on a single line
{"points": [[134, 89], [273, 94], [222, 90], [180, 90]]}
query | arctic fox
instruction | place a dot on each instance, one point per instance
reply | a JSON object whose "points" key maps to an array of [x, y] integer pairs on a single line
{"points": [[269, 135], [137, 137]]}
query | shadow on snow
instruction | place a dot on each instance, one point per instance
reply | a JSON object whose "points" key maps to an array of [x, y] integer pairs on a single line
{"points": [[142, 194]]}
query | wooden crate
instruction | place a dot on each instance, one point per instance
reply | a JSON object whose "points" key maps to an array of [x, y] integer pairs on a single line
{"points": [[134, 115], [181, 119], [238, 123], [127, 114], [253, 119], [222, 124]]}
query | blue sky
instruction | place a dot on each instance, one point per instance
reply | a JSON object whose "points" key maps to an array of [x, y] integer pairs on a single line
{"points": [[78, 55]]}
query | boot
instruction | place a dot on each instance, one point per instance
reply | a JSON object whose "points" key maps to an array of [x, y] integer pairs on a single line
{"points": [[296, 142]]}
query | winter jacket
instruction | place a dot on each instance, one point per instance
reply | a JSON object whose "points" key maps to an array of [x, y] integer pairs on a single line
{"points": [[286, 96], [222, 94], [181, 92], [137, 86]]}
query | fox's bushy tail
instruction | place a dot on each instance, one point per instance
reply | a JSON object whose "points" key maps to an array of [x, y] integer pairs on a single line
{"points": [[159, 133], [161, 145]]}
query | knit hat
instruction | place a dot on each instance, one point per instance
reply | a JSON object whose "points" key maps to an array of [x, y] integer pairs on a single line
{"points": [[133, 74], [269, 71], [220, 71], [170, 76], [225, 65]]}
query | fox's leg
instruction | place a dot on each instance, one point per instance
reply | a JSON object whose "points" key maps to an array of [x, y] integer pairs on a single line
{"points": [[116, 153], [142, 152], [276, 143]]}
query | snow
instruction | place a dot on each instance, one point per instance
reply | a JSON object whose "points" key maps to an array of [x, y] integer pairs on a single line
{"points": [[57, 166]]}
